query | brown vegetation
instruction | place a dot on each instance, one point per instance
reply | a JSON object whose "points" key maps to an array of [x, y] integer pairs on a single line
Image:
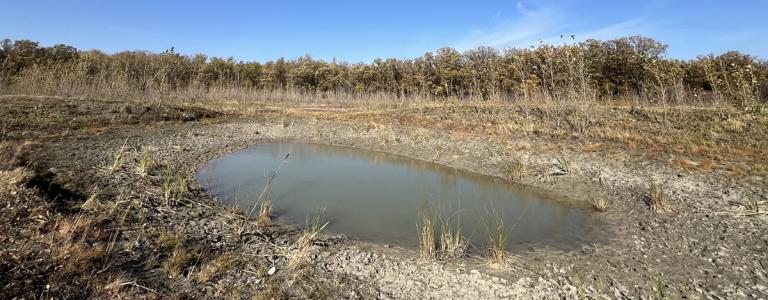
{"points": [[631, 69]]}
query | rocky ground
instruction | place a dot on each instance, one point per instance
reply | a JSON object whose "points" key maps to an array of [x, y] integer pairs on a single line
{"points": [[85, 213]]}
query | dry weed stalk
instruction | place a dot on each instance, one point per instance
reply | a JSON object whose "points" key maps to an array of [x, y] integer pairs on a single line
{"points": [[119, 157]]}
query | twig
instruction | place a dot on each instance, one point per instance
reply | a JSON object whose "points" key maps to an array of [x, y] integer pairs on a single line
{"points": [[133, 283]]}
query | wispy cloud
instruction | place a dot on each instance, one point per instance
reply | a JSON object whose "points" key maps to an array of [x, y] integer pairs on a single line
{"points": [[548, 24], [529, 26]]}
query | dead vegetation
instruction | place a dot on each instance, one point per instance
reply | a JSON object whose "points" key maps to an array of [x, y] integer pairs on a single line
{"points": [[146, 162], [426, 227], [498, 235], [125, 242], [78, 246], [600, 204], [657, 198], [174, 185], [440, 232]]}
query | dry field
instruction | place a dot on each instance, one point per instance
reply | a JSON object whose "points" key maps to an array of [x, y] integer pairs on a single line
{"points": [[99, 199]]}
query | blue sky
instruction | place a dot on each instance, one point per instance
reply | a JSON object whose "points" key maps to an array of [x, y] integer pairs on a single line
{"points": [[362, 30]]}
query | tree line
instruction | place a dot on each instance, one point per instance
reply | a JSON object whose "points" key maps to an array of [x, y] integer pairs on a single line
{"points": [[625, 68]]}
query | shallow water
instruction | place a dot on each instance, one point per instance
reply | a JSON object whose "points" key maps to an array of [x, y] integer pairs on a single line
{"points": [[377, 197]]}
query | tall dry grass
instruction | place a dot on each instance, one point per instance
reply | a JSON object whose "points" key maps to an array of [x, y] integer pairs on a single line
{"points": [[569, 102]]}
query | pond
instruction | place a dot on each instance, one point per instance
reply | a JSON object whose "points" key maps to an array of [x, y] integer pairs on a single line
{"points": [[378, 197]]}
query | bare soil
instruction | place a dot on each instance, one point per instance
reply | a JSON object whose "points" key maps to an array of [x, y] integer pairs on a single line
{"points": [[76, 223]]}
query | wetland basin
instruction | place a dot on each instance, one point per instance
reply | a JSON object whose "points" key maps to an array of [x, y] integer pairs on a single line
{"points": [[377, 197]]}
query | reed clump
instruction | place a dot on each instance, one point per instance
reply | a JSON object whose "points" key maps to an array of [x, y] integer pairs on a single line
{"points": [[265, 212], [146, 162], [174, 185], [448, 242], [427, 243], [453, 244], [497, 236]]}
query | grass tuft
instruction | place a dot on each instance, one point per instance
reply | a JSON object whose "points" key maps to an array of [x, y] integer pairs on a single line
{"points": [[174, 185], [427, 244], [119, 157], [298, 252], [564, 165], [146, 162], [452, 243], [515, 169], [600, 204], [169, 240], [657, 199], [220, 264], [265, 211], [498, 236], [177, 261]]}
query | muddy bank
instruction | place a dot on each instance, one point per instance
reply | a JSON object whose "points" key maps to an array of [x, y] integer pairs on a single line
{"points": [[702, 243]]}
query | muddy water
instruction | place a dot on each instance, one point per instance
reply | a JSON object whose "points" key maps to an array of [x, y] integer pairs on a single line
{"points": [[378, 197]]}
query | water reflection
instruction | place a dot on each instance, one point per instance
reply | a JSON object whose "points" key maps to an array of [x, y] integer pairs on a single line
{"points": [[377, 196]]}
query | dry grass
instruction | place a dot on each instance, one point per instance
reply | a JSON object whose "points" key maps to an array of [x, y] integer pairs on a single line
{"points": [[753, 204], [119, 157], [427, 242], [174, 185], [600, 204], [657, 199], [169, 240], [265, 208], [146, 162], [71, 227], [564, 165], [179, 257], [515, 169], [497, 248], [453, 245], [265, 211], [736, 169], [75, 256], [175, 263], [298, 252], [686, 163], [220, 264], [707, 164], [92, 203], [498, 235]]}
